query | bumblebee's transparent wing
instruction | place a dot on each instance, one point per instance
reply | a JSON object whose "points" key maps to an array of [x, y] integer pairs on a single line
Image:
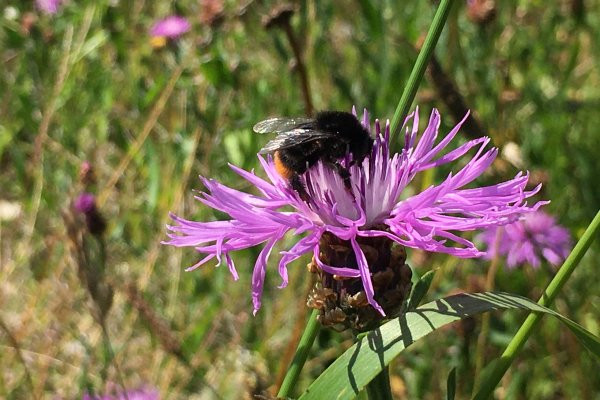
{"points": [[279, 125], [292, 138]]}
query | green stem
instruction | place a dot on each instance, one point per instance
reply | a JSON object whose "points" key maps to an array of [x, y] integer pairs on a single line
{"points": [[439, 20], [518, 341], [306, 341], [379, 387]]}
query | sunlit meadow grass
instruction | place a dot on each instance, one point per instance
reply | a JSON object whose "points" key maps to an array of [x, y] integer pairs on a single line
{"points": [[89, 84]]}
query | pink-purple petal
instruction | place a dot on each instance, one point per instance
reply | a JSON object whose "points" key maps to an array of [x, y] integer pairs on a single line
{"points": [[170, 27], [302, 247], [365, 275], [340, 271], [260, 268]]}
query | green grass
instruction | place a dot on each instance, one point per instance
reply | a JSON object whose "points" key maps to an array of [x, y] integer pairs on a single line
{"points": [[86, 84]]}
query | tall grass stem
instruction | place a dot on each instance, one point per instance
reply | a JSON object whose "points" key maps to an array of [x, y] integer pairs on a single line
{"points": [[416, 75], [308, 337]]}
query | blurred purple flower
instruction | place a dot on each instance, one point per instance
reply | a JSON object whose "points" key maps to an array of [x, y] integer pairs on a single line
{"points": [[86, 173], [143, 393], [48, 6], [378, 206], [85, 203], [170, 27], [534, 236]]}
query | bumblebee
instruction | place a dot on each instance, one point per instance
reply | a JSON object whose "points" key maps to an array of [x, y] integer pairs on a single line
{"points": [[301, 142]]}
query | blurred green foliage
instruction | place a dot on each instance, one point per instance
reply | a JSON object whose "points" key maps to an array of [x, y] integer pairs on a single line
{"points": [[87, 84]]}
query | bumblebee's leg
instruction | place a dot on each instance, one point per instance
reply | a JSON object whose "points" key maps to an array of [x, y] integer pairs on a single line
{"points": [[344, 174], [298, 186]]}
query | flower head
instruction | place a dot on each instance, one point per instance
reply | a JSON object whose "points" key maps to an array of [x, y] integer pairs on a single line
{"points": [[529, 239], [86, 173], [85, 204], [48, 6], [170, 27], [376, 206]]}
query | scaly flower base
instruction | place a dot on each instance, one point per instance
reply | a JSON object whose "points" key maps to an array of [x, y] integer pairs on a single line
{"points": [[342, 301]]}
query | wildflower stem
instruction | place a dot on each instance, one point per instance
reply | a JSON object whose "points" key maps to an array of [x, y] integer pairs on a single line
{"points": [[416, 75], [110, 357], [306, 341], [518, 341]]}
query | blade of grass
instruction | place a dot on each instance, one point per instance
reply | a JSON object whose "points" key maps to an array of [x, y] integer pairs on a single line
{"points": [[141, 138], [518, 341], [38, 156], [416, 75]]}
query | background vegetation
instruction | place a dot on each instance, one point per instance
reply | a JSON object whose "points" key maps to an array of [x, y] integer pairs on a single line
{"points": [[87, 84]]}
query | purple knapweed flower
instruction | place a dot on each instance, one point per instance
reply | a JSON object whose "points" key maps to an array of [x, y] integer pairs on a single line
{"points": [[85, 204], [529, 239], [170, 27], [427, 220], [143, 393], [48, 6]]}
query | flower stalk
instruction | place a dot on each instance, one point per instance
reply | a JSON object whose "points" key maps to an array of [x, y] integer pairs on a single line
{"points": [[306, 341], [518, 341], [416, 75]]}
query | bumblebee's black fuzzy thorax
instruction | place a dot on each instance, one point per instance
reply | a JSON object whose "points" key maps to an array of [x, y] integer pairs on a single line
{"points": [[348, 129]]}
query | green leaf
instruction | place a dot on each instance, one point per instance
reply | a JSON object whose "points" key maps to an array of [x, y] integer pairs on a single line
{"points": [[92, 44], [217, 72], [354, 369], [451, 385], [420, 289], [238, 144]]}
